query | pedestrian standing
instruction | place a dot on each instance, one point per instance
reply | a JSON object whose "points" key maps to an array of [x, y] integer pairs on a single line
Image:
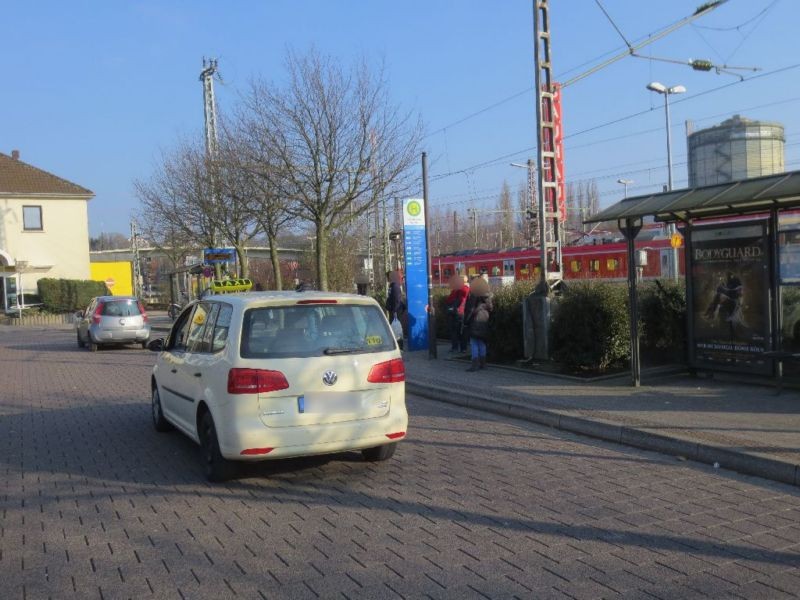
{"points": [[455, 304], [394, 297], [476, 320]]}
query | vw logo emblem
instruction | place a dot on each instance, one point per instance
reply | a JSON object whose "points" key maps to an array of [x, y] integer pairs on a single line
{"points": [[329, 377]]}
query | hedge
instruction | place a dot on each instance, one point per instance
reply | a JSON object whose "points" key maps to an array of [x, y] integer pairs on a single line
{"points": [[662, 317], [505, 341], [65, 295], [590, 323], [590, 328]]}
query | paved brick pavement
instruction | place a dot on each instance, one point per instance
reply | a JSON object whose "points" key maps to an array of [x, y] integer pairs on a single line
{"points": [[746, 427], [95, 504]]}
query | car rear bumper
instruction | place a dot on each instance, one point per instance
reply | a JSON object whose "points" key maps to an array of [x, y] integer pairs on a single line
{"points": [[309, 440], [120, 336]]}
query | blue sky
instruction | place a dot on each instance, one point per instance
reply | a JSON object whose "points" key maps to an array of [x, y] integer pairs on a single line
{"points": [[94, 90]]}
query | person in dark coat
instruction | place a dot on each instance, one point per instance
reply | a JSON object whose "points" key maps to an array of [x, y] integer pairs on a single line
{"points": [[394, 297], [476, 320], [455, 304]]}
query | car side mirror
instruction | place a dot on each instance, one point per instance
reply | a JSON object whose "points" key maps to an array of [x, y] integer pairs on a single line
{"points": [[156, 345]]}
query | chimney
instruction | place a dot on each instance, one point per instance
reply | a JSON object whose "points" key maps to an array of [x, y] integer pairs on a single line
{"points": [[15, 154]]}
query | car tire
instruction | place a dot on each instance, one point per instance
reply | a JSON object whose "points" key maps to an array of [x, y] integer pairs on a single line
{"points": [[144, 344], [159, 421], [379, 453], [217, 467], [81, 343]]}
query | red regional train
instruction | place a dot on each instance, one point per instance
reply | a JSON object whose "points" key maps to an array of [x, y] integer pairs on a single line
{"points": [[599, 259]]}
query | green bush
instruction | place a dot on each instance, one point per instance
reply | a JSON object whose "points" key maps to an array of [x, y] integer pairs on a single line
{"points": [[590, 326], [505, 342], [65, 295], [662, 314]]}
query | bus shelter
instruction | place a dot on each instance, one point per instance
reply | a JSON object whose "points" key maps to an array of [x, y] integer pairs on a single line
{"points": [[742, 269]]}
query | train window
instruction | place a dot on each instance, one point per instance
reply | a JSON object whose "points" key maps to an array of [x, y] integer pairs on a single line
{"points": [[594, 265], [448, 272], [612, 264], [495, 271], [525, 269], [508, 267], [482, 269], [575, 266]]}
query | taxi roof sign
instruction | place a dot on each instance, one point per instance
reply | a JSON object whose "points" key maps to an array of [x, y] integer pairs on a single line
{"points": [[229, 286]]}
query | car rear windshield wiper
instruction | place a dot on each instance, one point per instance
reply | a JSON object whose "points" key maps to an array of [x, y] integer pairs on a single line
{"points": [[342, 350]]}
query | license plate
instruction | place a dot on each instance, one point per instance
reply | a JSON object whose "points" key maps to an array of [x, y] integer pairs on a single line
{"points": [[328, 402]]}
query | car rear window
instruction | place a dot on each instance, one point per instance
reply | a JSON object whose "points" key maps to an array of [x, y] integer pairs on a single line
{"points": [[121, 308], [314, 330]]}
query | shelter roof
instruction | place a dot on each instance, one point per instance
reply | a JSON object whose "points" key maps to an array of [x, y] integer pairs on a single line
{"points": [[757, 194]]}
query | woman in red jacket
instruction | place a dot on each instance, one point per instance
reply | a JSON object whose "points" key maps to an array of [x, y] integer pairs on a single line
{"points": [[454, 304]]}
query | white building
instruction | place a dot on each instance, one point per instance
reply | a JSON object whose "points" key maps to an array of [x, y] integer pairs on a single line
{"points": [[44, 228]]}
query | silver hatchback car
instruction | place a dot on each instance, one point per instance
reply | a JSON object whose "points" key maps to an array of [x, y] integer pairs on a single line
{"points": [[112, 320]]}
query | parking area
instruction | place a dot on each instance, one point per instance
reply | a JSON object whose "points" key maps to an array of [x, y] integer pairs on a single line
{"points": [[95, 504]]}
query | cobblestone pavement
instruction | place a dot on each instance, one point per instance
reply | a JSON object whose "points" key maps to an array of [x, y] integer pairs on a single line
{"points": [[95, 504]]}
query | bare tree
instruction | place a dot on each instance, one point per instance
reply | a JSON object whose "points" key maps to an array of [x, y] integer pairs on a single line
{"points": [[177, 197], [109, 241], [339, 143], [258, 164], [505, 218], [235, 194]]}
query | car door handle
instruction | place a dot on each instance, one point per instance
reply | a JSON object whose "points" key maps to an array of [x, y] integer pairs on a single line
{"points": [[173, 370], [198, 374]]}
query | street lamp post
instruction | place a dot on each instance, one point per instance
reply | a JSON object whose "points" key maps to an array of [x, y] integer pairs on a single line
{"points": [[626, 183], [665, 91]]}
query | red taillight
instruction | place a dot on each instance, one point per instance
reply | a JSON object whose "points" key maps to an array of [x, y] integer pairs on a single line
{"points": [[391, 371], [318, 302], [256, 451], [255, 381], [97, 313], [396, 436], [142, 310]]}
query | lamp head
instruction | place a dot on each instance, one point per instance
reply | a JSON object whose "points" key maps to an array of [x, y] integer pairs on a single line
{"points": [[655, 86], [677, 89]]}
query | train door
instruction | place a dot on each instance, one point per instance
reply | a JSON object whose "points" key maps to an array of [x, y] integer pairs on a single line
{"points": [[509, 270]]}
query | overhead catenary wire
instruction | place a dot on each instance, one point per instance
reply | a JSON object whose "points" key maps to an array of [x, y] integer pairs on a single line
{"points": [[743, 23], [631, 50], [642, 41], [615, 121]]}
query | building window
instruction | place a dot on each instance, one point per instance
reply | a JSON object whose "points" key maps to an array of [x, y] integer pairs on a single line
{"points": [[32, 218]]}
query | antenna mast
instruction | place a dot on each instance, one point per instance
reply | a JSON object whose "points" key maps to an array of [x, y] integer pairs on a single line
{"points": [[547, 152], [210, 106]]}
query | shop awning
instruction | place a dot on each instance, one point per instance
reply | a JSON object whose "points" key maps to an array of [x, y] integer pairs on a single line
{"points": [[746, 196]]}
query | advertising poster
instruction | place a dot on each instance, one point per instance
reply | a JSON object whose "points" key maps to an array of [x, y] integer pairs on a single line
{"points": [[789, 255], [416, 261], [730, 297]]}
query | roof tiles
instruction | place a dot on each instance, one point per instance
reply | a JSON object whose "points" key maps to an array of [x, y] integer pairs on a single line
{"points": [[20, 178]]}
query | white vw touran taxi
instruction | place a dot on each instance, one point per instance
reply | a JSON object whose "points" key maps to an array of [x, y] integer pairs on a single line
{"points": [[268, 375]]}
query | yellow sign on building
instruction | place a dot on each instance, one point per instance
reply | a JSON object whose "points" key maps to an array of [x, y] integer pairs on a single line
{"points": [[117, 276]]}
